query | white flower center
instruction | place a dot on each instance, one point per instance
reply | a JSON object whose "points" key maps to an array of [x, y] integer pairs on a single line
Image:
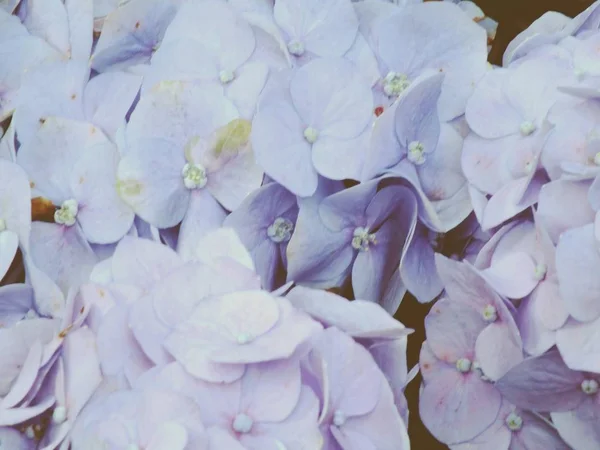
{"points": [[489, 313], [362, 239], [597, 159], [30, 432], [242, 423], [339, 418], [540, 271], [66, 214], [311, 135], [2, 225], [476, 367], [416, 153], [394, 84], [514, 422], [243, 338], [31, 314], [59, 415], [280, 230], [194, 176], [527, 128], [226, 76], [463, 365], [296, 47], [590, 387]]}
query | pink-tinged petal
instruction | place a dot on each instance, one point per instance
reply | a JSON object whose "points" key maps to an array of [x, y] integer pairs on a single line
{"points": [[333, 310], [81, 20], [203, 215], [543, 383], [103, 216], [329, 109], [82, 369], [108, 97], [488, 113], [484, 161], [456, 407], [452, 330], [562, 205], [497, 350], [579, 428], [325, 28], [510, 200], [278, 142], [72, 258], [536, 337], [49, 298], [355, 381], [576, 260], [270, 391], [142, 262], [169, 436], [219, 438], [579, 345], [512, 276], [550, 307]]}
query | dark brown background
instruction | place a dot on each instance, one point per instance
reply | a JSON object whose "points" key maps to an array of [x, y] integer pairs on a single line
{"points": [[513, 16]]}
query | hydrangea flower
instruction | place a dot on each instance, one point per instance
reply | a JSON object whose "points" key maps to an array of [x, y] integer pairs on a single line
{"points": [[304, 126], [194, 135], [265, 223], [228, 52], [359, 232], [73, 165], [544, 383]]}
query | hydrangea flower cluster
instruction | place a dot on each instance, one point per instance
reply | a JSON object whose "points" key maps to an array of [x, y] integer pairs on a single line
{"points": [[516, 335], [218, 206]]}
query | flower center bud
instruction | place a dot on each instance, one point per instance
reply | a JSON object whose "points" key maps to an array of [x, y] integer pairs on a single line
{"points": [[597, 159], [590, 387], [243, 338], [242, 423], [311, 135], [489, 313], [540, 272], [416, 153], [194, 176], [463, 365], [66, 214], [394, 84], [362, 239], [280, 230], [527, 128], [296, 47], [226, 76], [339, 418], [514, 422], [59, 415]]}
